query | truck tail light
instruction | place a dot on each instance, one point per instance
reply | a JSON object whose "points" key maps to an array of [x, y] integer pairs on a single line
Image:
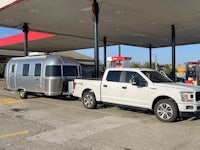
{"points": [[74, 85]]}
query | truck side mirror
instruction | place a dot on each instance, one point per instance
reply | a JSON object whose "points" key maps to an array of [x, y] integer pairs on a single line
{"points": [[135, 81], [143, 83]]}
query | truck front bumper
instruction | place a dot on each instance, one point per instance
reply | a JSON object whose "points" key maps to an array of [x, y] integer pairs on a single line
{"points": [[189, 109]]}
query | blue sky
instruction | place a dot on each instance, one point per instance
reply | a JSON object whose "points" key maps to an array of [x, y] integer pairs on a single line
{"points": [[183, 53], [4, 32]]}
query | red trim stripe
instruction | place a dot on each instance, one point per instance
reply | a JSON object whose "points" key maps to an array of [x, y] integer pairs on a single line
{"points": [[10, 5], [19, 38]]}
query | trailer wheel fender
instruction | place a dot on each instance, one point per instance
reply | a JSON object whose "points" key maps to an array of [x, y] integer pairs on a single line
{"points": [[23, 94]]}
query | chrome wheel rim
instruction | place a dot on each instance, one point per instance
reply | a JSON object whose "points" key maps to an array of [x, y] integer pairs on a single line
{"points": [[21, 92], [165, 111], [88, 100]]}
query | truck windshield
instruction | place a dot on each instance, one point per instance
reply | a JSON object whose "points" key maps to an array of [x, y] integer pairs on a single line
{"points": [[53, 71], [156, 77], [70, 71]]}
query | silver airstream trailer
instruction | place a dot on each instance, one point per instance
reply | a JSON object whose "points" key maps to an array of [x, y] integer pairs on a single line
{"points": [[50, 75]]}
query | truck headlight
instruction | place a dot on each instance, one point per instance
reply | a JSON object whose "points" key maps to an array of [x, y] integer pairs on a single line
{"points": [[187, 96]]}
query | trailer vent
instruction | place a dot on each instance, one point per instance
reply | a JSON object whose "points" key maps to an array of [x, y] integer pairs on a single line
{"points": [[37, 54]]}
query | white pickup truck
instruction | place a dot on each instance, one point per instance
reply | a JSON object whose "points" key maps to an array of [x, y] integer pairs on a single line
{"points": [[143, 88]]}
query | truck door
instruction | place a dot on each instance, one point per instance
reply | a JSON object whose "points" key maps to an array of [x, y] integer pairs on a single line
{"points": [[12, 76], [37, 78], [134, 94], [110, 89]]}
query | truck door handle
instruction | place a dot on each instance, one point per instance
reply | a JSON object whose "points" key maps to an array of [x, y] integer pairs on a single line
{"points": [[124, 87], [105, 86]]}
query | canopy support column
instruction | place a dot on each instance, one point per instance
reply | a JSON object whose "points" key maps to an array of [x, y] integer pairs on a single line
{"points": [[105, 52], [119, 50], [150, 56], [173, 75], [25, 29], [95, 9]]}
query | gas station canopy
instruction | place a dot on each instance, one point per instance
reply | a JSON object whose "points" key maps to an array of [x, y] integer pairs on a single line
{"points": [[130, 22]]}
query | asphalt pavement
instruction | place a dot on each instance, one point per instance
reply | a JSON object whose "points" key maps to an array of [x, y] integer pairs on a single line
{"points": [[61, 123]]}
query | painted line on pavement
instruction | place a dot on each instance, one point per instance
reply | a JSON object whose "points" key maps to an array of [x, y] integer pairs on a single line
{"points": [[5, 101], [14, 134]]}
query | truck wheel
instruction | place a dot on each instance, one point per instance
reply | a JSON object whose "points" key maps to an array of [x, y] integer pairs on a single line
{"points": [[166, 110], [89, 100], [23, 94]]}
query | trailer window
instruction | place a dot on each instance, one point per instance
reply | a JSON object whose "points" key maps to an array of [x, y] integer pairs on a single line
{"points": [[37, 70], [53, 71], [25, 71], [70, 71]]}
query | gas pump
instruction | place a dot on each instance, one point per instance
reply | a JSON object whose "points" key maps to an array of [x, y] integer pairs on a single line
{"points": [[193, 73], [198, 73], [119, 62]]}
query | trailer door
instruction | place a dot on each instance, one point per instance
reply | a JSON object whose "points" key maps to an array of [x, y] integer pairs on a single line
{"points": [[37, 78], [12, 76]]}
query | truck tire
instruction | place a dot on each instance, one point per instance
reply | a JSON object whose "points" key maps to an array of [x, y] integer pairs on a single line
{"points": [[23, 94], [89, 100], [166, 110]]}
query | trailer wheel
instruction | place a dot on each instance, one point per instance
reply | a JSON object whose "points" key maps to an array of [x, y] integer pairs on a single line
{"points": [[89, 100], [23, 94], [166, 110]]}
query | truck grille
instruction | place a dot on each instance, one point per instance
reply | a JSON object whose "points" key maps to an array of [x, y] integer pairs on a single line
{"points": [[197, 96]]}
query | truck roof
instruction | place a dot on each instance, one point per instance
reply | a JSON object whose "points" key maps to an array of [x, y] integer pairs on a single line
{"points": [[131, 69]]}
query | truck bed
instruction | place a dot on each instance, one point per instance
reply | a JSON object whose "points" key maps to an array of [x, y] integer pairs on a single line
{"points": [[80, 85]]}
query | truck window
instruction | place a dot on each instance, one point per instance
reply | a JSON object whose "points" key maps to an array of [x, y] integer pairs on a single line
{"points": [[53, 71], [37, 70], [70, 71], [25, 71], [114, 76], [156, 77], [130, 75], [13, 69]]}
